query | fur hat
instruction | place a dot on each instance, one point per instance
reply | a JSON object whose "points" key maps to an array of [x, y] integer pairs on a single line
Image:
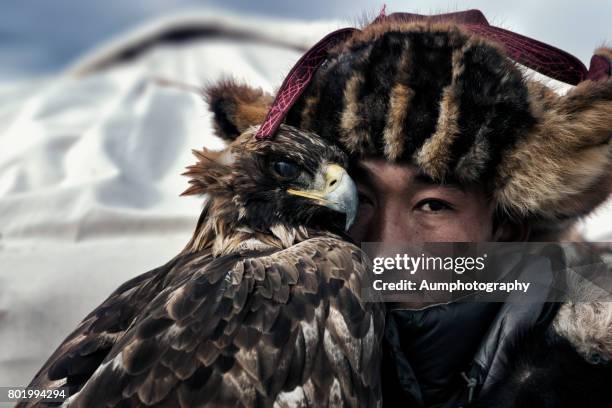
{"points": [[450, 98]]}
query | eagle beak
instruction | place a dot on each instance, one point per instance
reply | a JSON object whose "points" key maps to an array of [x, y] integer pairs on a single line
{"points": [[338, 192]]}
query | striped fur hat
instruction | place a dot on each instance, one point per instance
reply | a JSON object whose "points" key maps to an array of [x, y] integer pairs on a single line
{"points": [[446, 94]]}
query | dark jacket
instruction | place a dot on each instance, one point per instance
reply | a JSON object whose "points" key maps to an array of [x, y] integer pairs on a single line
{"points": [[513, 354]]}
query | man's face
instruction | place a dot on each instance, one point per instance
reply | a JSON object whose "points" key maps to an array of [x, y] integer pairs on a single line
{"points": [[398, 204]]}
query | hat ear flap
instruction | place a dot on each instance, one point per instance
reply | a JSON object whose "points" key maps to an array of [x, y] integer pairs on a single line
{"points": [[236, 107], [587, 113], [563, 168]]}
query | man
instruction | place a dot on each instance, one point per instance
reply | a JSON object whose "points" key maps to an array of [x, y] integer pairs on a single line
{"points": [[453, 142]]}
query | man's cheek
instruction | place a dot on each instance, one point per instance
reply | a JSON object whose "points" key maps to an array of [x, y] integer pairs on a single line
{"points": [[457, 229]]}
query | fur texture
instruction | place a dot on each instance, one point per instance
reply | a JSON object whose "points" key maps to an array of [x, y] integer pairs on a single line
{"points": [[235, 107], [588, 327], [562, 167], [408, 92], [546, 371], [604, 52]]}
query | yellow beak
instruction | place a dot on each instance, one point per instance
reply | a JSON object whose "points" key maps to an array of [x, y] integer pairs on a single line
{"points": [[334, 189]]}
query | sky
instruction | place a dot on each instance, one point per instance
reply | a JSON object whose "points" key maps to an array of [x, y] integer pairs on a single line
{"points": [[39, 37]]}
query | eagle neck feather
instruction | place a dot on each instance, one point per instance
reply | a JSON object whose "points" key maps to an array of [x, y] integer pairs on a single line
{"points": [[222, 230]]}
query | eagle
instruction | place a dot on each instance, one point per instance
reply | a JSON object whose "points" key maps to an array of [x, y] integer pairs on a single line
{"points": [[262, 308]]}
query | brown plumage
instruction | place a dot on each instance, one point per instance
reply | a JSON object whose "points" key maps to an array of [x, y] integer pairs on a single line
{"points": [[262, 308]]}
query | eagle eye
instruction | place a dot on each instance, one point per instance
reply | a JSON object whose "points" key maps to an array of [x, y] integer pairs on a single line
{"points": [[286, 170]]}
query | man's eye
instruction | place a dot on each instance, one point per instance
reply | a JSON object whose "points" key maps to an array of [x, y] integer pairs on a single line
{"points": [[433, 205], [286, 170]]}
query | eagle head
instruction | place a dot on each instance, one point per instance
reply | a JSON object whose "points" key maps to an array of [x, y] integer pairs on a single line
{"points": [[295, 179]]}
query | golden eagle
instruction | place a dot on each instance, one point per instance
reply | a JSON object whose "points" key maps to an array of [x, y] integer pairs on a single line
{"points": [[262, 308]]}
